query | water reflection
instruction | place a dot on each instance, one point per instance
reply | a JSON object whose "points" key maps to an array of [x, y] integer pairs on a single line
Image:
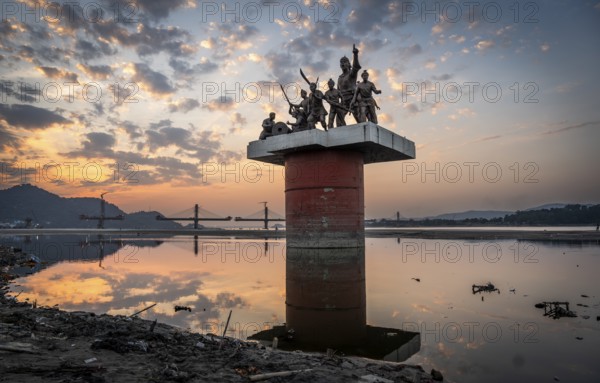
{"points": [[422, 285], [326, 308], [52, 249]]}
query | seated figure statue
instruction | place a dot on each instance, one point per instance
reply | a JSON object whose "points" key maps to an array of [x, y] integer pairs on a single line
{"points": [[267, 127]]}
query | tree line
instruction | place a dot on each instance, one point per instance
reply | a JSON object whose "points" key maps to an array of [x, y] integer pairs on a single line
{"points": [[574, 214]]}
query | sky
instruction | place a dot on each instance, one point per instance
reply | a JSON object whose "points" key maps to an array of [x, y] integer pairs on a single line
{"points": [[155, 101]]}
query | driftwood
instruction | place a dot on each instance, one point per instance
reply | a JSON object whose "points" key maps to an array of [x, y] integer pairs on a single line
{"points": [[25, 348], [141, 311], [227, 324], [225, 330], [269, 375]]}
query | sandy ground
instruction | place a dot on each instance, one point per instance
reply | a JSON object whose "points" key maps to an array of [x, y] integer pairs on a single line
{"points": [[41, 344]]}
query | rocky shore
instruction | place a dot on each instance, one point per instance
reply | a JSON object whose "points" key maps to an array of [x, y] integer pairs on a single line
{"points": [[46, 344]]}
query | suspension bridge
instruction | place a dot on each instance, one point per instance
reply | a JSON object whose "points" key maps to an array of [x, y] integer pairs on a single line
{"points": [[263, 215], [200, 214], [197, 214]]}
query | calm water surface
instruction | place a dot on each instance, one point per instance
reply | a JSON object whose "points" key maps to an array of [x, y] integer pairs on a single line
{"points": [[492, 337]]}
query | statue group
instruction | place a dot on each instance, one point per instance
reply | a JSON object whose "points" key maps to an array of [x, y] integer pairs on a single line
{"points": [[350, 97]]}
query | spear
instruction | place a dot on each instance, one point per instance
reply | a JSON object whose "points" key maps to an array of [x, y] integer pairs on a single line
{"points": [[285, 95]]}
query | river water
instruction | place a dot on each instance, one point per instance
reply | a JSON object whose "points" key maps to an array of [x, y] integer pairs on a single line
{"points": [[411, 284]]}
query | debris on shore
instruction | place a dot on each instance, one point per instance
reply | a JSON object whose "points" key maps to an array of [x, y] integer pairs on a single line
{"points": [[556, 310], [484, 288]]}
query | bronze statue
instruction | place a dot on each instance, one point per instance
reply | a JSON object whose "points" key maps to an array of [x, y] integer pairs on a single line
{"points": [[337, 111], [301, 123], [347, 80], [267, 126], [298, 111], [316, 111], [349, 97], [364, 100]]}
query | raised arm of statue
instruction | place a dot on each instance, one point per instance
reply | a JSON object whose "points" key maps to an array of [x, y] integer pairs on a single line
{"points": [[355, 64]]}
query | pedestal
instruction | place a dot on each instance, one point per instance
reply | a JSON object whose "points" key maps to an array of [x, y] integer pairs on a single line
{"points": [[324, 185]]}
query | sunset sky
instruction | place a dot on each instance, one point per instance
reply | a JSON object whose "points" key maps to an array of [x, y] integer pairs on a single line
{"points": [[500, 98]]}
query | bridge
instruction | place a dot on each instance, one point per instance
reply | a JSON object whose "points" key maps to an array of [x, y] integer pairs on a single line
{"points": [[199, 215], [262, 216], [102, 217]]}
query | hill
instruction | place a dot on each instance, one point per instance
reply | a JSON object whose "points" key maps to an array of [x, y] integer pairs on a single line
{"points": [[23, 203], [471, 214]]}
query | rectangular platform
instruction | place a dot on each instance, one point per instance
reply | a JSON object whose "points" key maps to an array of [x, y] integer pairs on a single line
{"points": [[376, 143]]}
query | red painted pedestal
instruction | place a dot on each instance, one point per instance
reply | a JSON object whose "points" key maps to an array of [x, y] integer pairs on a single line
{"points": [[324, 199]]}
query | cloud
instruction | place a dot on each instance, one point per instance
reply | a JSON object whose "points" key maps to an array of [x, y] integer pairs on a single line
{"points": [[132, 130], [98, 143], [186, 72], [228, 300], [237, 122], [169, 136], [96, 72], [430, 63], [484, 45], [462, 112], [230, 38], [311, 52], [571, 127], [30, 117], [488, 138], [183, 105], [161, 9], [52, 72], [371, 16], [223, 104], [8, 140], [154, 82], [145, 40], [154, 168], [409, 51], [21, 91], [86, 50]]}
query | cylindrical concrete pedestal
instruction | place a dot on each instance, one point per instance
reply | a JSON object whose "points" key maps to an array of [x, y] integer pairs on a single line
{"points": [[324, 199], [326, 296]]}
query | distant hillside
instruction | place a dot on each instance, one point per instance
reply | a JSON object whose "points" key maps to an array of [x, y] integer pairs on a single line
{"points": [[471, 214], [547, 206], [19, 203]]}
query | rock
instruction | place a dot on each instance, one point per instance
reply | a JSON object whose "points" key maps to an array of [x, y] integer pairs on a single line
{"points": [[436, 375]]}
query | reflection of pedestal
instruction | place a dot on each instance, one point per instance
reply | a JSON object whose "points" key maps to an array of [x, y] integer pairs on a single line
{"points": [[326, 308], [325, 296]]}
